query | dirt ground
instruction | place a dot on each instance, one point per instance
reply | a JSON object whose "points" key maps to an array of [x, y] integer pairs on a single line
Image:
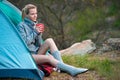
{"points": [[89, 75]]}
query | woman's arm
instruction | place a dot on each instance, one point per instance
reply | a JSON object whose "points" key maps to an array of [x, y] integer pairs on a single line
{"points": [[27, 36]]}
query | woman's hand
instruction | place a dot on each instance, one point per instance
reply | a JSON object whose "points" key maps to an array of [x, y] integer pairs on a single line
{"points": [[40, 27]]}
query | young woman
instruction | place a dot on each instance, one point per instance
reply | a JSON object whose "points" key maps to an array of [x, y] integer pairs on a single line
{"points": [[30, 34]]}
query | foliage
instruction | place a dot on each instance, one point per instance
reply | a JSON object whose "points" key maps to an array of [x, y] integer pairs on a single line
{"points": [[117, 23], [113, 10], [86, 22]]}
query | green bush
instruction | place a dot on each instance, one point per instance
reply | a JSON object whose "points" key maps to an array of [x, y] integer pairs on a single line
{"points": [[86, 22]]}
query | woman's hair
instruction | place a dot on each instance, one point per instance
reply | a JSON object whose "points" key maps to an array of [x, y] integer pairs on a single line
{"points": [[25, 10]]}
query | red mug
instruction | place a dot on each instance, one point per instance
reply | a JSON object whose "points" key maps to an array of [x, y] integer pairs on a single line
{"points": [[40, 25]]}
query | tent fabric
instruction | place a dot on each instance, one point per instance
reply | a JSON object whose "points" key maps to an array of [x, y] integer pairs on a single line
{"points": [[11, 11], [15, 59]]}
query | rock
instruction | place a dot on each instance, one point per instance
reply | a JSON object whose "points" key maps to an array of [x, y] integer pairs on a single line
{"points": [[110, 45], [113, 43], [82, 48]]}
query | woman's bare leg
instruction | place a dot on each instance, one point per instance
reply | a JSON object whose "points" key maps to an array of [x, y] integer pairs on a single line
{"points": [[48, 44], [39, 59]]}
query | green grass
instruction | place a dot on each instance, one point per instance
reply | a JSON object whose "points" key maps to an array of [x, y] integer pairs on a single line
{"points": [[103, 66]]}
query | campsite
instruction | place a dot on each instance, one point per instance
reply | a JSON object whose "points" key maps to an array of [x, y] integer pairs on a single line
{"points": [[68, 22]]}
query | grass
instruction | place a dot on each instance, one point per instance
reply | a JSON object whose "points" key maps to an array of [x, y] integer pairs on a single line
{"points": [[103, 66]]}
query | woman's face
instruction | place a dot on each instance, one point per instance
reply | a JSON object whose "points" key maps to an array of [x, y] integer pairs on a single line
{"points": [[32, 15]]}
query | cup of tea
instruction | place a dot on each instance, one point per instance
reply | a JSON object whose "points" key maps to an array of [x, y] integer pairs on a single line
{"points": [[40, 26]]}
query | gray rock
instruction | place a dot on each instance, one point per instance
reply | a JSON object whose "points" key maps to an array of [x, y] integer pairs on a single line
{"points": [[82, 48]]}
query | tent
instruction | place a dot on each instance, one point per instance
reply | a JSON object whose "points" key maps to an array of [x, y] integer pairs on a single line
{"points": [[15, 59]]}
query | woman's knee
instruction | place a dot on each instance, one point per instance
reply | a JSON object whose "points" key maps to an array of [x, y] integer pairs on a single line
{"points": [[49, 40]]}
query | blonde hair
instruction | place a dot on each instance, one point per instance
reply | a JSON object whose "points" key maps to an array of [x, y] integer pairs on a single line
{"points": [[25, 10]]}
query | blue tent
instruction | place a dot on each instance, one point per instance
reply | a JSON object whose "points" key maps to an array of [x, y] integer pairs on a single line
{"points": [[15, 59]]}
